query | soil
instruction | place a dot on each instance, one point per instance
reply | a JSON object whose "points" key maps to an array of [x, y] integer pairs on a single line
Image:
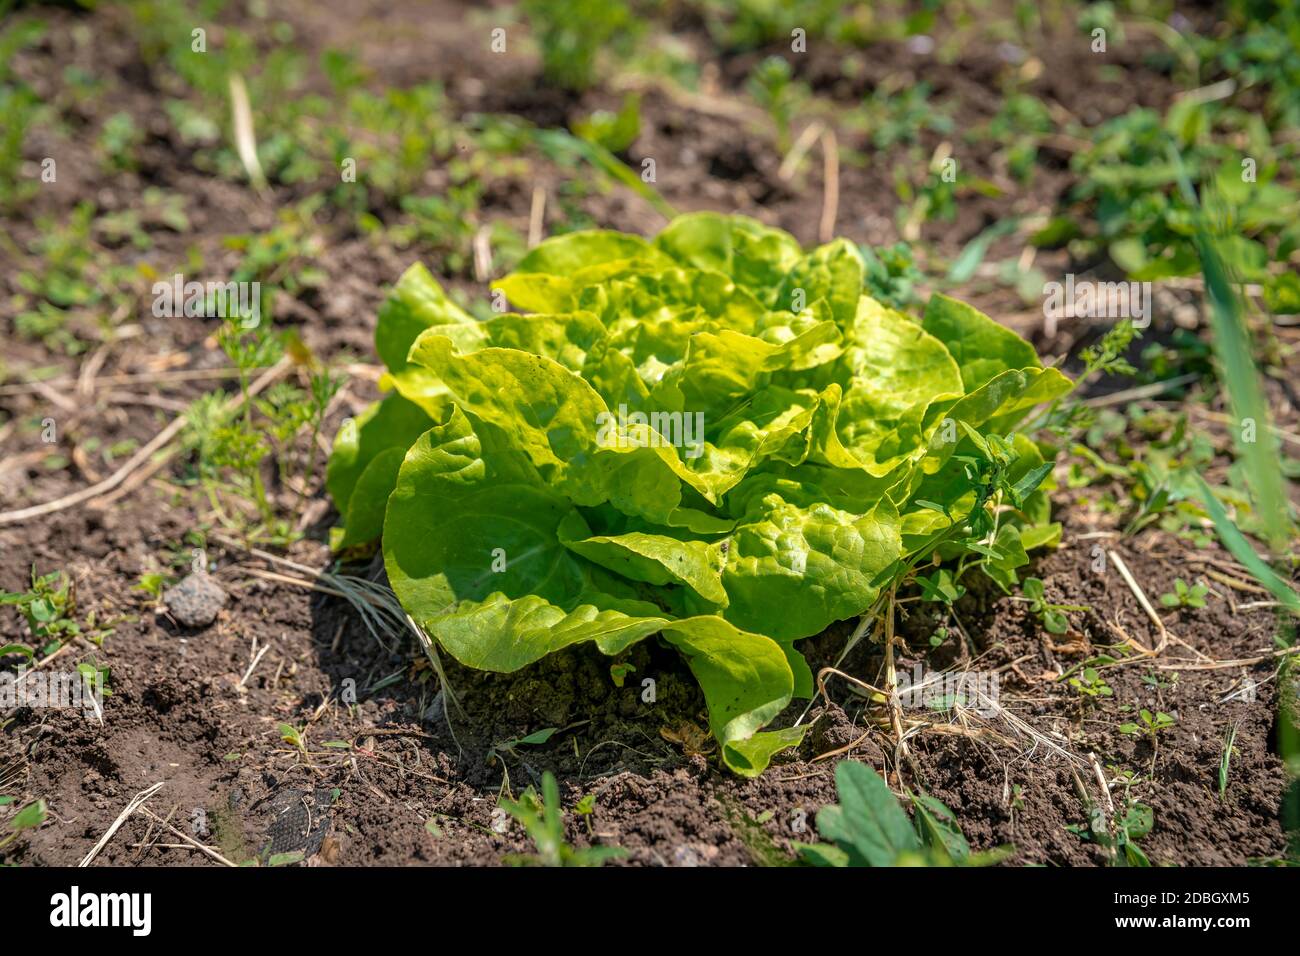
{"points": [[201, 710]]}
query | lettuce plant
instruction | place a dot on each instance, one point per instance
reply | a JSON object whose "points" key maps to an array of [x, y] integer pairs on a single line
{"points": [[713, 437]]}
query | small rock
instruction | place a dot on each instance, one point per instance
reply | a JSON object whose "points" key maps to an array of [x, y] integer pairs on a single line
{"points": [[686, 855], [921, 45], [195, 601]]}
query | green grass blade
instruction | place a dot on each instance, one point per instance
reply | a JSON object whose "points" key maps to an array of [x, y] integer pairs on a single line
{"points": [[1232, 349], [1231, 342], [1236, 543]]}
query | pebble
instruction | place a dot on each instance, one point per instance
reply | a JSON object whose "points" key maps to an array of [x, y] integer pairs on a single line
{"points": [[195, 601]]}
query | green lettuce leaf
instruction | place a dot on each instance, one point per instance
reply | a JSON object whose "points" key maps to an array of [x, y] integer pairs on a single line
{"points": [[751, 254], [390, 423], [833, 272], [364, 519], [416, 302], [795, 567], [980, 347]]}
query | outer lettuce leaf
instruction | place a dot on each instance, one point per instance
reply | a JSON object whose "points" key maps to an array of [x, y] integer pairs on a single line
{"points": [[745, 677], [364, 517], [548, 278], [537, 291], [415, 303], [652, 558], [576, 252], [746, 681], [1041, 387], [981, 347], [997, 405], [566, 338], [470, 516], [504, 634], [391, 423], [793, 568]]}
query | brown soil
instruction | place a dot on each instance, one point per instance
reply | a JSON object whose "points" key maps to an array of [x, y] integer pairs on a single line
{"points": [[178, 714], [421, 788]]}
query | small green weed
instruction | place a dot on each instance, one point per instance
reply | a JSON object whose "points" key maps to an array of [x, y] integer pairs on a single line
{"points": [[543, 819]]}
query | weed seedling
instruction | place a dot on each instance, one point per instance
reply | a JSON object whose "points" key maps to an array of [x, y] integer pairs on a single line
{"points": [[236, 444], [152, 584], [618, 672], [293, 736], [1118, 837], [869, 828], [1229, 748], [1052, 616], [1156, 682], [1135, 823], [535, 739], [613, 131], [1151, 725], [770, 86], [543, 819], [1091, 684], [572, 32], [586, 808], [233, 450], [28, 818], [1185, 595], [892, 275], [49, 606], [940, 586]]}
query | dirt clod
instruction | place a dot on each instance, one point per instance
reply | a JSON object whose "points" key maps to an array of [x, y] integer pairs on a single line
{"points": [[196, 600]]}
